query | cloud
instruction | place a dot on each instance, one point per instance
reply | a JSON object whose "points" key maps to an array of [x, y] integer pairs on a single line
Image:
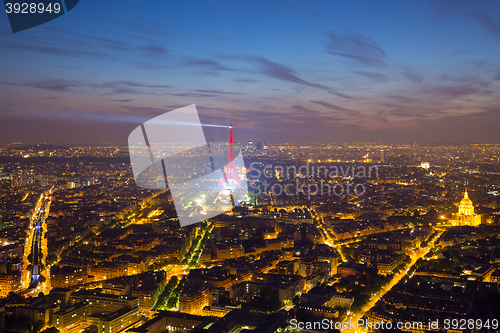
{"points": [[221, 92], [108, 88], [358, 48], [455, 96], [53, 85], [245, 80], [127, 100], [208, 64], [479, 126], [54, 50], [283, 73], [443, 93], [276, 121], [192, 95], [403, 99], [134, 84], [287, 74], [145, 111], [345, 111], [412, 76], [474, 9], [68, 36], [149, 65], [151, 48], [497, 76], [471, 80], [490, 23], [305, 114], [377, 77], [303, 109], [129, 87], [380, 118], [452, 54]]}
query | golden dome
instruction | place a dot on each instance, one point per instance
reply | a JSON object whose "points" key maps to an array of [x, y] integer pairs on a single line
{"points": [[466, 207]]}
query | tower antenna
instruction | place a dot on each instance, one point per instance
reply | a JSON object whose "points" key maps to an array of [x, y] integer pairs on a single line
{"points": [[230, 172]]}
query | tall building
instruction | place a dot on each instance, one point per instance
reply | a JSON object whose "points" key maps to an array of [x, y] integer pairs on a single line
{"points": [[466, 215], [230, 173], [382, 156]]}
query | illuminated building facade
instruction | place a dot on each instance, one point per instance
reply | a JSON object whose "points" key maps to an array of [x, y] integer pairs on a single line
{"points": [[466, 215], [117, 321], [193, 301], [145, 294], [8, 283], [100, 303], [72, 319], [67, 276], [229, 252]]}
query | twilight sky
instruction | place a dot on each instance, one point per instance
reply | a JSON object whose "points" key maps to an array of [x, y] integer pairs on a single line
{"points": [[288, 71]]}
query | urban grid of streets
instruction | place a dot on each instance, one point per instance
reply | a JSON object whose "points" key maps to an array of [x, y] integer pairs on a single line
{"points": [[152, 207]]}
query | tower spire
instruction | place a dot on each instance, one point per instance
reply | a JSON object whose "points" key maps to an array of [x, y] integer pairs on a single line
{"points": [[230, 172], [230, 140]]}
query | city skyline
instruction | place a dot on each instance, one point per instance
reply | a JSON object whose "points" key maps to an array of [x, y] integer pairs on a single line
{"points": [[282, 71], [250, 166], [417, 236]]}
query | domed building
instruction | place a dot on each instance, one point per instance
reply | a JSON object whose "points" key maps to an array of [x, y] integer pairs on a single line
{"points": [[466, 215]]}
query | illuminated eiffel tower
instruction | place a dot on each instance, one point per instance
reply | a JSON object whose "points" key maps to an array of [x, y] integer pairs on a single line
{"points": [[230, 172]]}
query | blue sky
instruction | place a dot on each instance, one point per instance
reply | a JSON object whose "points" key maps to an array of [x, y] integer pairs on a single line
{"points": [[285, 71]]}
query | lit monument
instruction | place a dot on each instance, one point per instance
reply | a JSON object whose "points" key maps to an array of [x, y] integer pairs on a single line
{"points": [[466, 215]]}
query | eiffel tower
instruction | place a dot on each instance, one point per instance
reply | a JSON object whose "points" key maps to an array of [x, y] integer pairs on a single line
{"points": [[230, 172]]}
